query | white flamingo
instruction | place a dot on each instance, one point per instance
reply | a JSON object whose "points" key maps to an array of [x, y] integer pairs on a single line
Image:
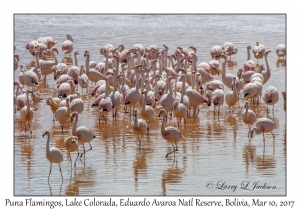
{"points": [[54, 155], [67, 46], [280, 51], [26, 113], [231, 98], [139, 126], [84, 134], [248, 116], [170, 133], [180, 111], [147, 112]]}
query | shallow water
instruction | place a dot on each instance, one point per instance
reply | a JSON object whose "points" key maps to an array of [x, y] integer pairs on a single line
{"points": [[216, 149]]}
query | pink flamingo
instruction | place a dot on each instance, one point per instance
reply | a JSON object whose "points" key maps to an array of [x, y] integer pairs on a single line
{"points": [[271, 96], [147, 112], [67, 46], [167, 100], [258, 51], [83, 79], [77, 105], [105, 104], [21, 75], [217, 99], [229, 49], [84, 134], [74, 70], [267, 73], [216, 51], [92, 74], [116, 97], [263, 125], [16, 60], [281, 51], [66, 89], [50, 42], [180, 111], [231, 98], [71, 145], [46, 66], [170, 133], [62, 114]]}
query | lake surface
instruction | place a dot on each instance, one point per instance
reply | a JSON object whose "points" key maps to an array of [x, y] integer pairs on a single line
{"points": [[216, 151]]}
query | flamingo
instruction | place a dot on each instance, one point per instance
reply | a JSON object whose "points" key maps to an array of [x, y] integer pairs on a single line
{"points": [[266, 74], [217, 99], [170, 133], [67, 46], [116, 97], [249, 64], [92, 74], [280, 51], [139, 126], [105, 104], [66, 89], [50, 42], [258, 51], [83, 79], [180, 111], [229, 49], [71, 145], [215, 84], [63, 79], [250, 90], [284, 100], [74, 70], [16, 60], [30, 46], [227, 78], [214, 67], [46, 66], [77, 104], [167, 100], [216, 51], [26, 113], [263, 125], [54, 104], [248, 116], [54, 155], [231, 98], [184, 99], [30, 79], [84, 134], [147, 112], [271, 96], [62, 114], [133, 94], [195, 98]]}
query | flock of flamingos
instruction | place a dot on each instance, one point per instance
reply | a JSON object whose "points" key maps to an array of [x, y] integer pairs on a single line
{"points": [[140, 80]]}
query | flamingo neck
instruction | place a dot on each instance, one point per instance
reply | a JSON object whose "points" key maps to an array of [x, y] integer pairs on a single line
{"points": [[170, 89], [248, 54], [137, 81], [28, 103], [183, 87], [106, 87], [267, 65], [75, 59], [225, 68], [106, 64], [135, 120], [47, 145], [257, 130], [55, 59], [87, 66], [138, 59], [75, 125], [193, 81], [163, 123], [160, 64]]}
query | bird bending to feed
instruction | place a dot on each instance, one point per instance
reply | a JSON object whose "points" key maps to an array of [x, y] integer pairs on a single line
{"points": [[54, 155], [248, 116], [139, 126], [84, 134], [263, 125], [71, 145], [170, 133]]}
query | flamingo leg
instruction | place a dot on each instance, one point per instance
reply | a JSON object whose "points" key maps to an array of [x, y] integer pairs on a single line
{"points": [[87, 150], [49, 172], [61, 173], [172, 151], [83, 151], [76, 158], [71, 162]]}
